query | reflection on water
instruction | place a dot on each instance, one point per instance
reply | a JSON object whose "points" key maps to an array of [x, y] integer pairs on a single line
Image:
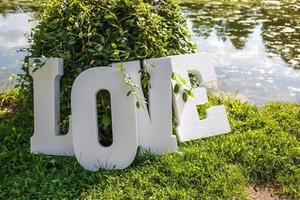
{"points": [[256, 49], [13, 27]]}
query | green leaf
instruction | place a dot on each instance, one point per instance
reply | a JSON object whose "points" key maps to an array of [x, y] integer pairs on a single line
{"points": [[71, 19], [81, 35], [37, 61], [99, 47], [138, 105], [71, 42], [105, 120], [176, 88], [120, 67], [182, 80], [92, 50], [113, 45], [11, 77], [69, 28], [191, 94], [110, 16], [184, 96], [174, 76], [61, 55]]}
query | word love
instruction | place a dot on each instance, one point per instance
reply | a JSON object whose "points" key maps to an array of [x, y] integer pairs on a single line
{"points": [[151, 129]]}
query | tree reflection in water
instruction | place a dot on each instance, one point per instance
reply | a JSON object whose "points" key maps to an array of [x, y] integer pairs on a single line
{"points": [[280, 25]]}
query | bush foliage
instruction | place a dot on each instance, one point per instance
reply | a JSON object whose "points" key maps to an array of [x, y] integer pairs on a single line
{"points": [[90, 33], [9, 99]]}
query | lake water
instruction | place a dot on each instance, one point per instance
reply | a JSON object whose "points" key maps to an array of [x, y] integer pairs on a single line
{"points": [[13, 27], [256, 49]]}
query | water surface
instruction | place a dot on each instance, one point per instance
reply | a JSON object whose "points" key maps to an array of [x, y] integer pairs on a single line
{"points": [[256, 49], [13, 27]]}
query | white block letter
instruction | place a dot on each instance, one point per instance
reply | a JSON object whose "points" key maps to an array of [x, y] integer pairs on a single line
{"points": [[89, 152], [155, 126], [46, 138], [190, 127]]}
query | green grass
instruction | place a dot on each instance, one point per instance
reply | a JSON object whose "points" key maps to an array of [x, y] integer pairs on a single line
{"points": [[238, 2], [263, 148], [13, 5]]}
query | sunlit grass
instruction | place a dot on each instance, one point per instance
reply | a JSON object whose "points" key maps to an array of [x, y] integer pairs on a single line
{"points": [[263, 148]]}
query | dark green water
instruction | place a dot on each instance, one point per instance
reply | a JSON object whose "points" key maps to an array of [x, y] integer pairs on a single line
{"points": [[256, 49]]}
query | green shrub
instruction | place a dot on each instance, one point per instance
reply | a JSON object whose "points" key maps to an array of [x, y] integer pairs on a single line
{"points": [[10, 99], [90, 33]]}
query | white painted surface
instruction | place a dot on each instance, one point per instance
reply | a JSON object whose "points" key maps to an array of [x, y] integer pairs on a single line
{"points": [[190, 127], [152, 130], [47, 138], [89, 152], [155, 126]]}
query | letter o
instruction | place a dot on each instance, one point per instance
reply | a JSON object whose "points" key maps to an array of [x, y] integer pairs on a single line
{"points": [[89, 152]]}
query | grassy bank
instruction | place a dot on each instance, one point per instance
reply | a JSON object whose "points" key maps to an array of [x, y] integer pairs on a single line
{"points": [[263, 148], [13, 5], [238, 2]]}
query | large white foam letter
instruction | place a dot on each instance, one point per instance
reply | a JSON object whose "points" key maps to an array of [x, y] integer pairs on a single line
{"points": [[155, 126], [47, 138], [190, 127], [89, 152]]}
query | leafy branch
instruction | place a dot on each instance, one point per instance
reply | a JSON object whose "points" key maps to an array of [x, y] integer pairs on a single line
{"points": [[38, 64], [145, 79], [133, 87], [181, 84]]}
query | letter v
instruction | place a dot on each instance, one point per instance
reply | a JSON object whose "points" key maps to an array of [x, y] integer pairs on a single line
{"points": [[155, 126]]}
